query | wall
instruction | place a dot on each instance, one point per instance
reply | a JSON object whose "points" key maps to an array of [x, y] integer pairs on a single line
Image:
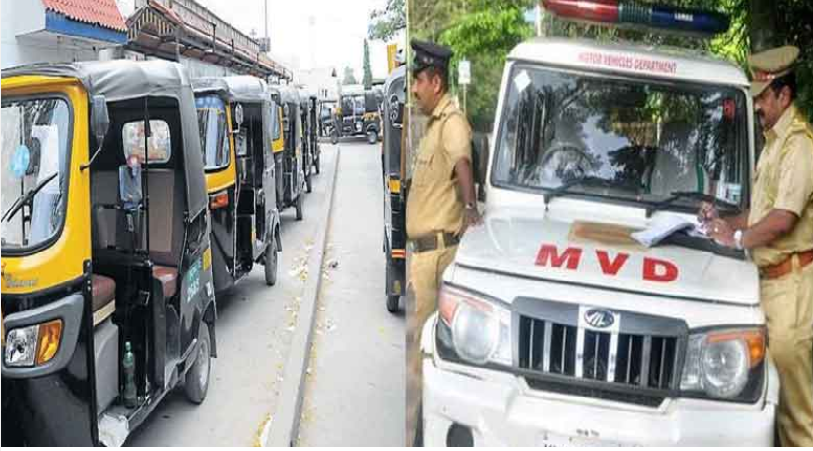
{"points": [[19, 19]]}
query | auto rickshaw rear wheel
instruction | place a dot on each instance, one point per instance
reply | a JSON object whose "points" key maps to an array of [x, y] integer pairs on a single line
{"points": [[271, 262], [392, 303], [196, 384], [308, 184], [372, 137], [298, 206]]}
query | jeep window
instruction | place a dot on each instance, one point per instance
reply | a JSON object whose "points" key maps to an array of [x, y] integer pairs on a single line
{"points": [[212, 125], [641, 140], [36, 141]]}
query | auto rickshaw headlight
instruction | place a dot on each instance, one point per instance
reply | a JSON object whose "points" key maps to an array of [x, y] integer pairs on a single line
{"points": [[50, 334], [21, 346], [36, 344]]}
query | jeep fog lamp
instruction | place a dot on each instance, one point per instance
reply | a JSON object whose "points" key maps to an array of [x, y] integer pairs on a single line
{"points": [[480, 329]]}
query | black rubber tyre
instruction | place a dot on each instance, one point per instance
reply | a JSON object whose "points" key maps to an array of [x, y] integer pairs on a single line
{"points": [[271, 262], [298, 206], [392, 303], [308, 184], [372, 137], [316, 163], [196, 384], [334, 139]]}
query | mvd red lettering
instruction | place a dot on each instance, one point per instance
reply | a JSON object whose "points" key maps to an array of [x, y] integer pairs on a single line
{"points": [[654, 270]]}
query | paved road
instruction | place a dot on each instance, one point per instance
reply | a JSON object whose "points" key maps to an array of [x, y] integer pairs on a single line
{"points": [[355, 392], [253, 338]]}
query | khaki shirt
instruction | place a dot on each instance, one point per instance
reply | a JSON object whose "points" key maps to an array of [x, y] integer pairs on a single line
{"points": [[434, 203], [784, 180]]}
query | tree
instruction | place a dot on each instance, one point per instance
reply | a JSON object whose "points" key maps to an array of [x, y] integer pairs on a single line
{"points": [[367, 78], [386, 23], [349, 77]]}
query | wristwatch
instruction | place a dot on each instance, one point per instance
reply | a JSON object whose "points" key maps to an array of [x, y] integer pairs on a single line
{"points": [[471, 206], [738, 239]]}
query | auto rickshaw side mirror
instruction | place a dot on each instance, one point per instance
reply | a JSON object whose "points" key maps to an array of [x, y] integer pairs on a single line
{"points": [[99, 123], [100, 118], [238, 118]]}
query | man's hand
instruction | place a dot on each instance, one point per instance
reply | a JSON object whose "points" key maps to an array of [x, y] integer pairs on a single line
{"points": [[721, 232], [471, 217]]}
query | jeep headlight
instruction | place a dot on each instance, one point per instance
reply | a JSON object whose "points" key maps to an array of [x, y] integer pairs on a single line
{"points": [[724, 364], [473, 328]]}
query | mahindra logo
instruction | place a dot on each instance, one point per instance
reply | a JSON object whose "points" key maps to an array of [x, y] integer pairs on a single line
{"points": [[599, 318]]}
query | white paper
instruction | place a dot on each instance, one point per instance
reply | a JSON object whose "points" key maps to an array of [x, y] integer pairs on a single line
{"points": [[663, 225], [522, 81]]}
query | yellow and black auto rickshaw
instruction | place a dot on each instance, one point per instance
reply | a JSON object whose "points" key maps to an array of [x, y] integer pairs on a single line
{"points": [[307, 125], [313, 132], [291, 185], [239, 127], [358, 114], [394, 164], [108, 302]]}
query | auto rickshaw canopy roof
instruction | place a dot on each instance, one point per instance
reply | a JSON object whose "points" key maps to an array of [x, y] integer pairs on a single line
{"points": [[239, 88], [287, 94], [119, 80]]}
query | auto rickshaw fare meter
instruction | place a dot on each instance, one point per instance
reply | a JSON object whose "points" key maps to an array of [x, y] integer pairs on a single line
{"points": [[662, 17]]}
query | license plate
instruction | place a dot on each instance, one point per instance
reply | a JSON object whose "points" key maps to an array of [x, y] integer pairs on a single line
{"points": [[551, 440]]}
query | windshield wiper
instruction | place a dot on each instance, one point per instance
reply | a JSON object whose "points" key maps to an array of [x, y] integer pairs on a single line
{"points": [[25, 198], [694, 195], [588, 179]]}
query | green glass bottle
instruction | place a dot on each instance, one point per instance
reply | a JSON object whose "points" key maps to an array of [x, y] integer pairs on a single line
{"points": [[128, 364]]}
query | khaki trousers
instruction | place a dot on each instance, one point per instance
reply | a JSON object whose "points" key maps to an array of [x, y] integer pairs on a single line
{"points": [[425, 271], [788, 305]]}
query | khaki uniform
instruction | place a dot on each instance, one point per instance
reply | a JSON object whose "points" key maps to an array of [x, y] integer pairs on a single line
{"points": [[784, 180], [435, 206]]}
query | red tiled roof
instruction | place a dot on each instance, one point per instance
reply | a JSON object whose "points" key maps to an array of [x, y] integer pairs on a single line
{"points": [[104, 13]]}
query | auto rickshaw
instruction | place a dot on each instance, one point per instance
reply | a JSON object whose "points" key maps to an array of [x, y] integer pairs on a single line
{"points": [[313, 132], [394, 164], [358, 114], [290, 187], [239, 124], [307, 154], [327, 112], [108, 301]]}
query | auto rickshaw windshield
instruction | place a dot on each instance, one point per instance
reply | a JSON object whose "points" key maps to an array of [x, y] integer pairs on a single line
{"points": [[212, 126], [35, 140]]}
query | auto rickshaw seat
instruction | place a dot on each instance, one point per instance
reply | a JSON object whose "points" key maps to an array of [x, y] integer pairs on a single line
{"points": [[168, 277], [104, 297]]}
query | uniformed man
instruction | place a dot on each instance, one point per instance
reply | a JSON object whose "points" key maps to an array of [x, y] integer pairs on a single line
{"points": [[778, 233], [441, 202]]}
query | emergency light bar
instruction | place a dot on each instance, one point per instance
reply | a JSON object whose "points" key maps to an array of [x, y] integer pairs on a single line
{"points": [[629, 13]]}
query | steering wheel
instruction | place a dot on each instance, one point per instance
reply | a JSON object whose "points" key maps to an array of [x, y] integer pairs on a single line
{"points": [[582, 162]]}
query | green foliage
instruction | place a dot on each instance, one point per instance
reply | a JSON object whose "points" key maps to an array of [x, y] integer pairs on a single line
{"points": [[349, 78], [386, 23], [484, 37], [367, 78]]}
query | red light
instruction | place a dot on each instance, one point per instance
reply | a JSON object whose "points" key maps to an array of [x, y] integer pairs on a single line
{"points": [[596, 10], [729, 109]]}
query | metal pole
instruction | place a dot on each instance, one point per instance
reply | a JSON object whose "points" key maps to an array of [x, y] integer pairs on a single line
{"points": [[464, 97]]}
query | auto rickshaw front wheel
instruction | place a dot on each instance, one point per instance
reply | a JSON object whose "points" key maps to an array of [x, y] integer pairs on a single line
{"points": [[298, 206], [392, 303], [372, 137], [196, 384], [271, 262]]}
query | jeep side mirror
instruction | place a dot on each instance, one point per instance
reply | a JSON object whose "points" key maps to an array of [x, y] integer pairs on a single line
{"points": [[480, 151]]}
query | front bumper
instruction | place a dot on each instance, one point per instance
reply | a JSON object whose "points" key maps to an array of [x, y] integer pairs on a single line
{"points": [[500, 409]]}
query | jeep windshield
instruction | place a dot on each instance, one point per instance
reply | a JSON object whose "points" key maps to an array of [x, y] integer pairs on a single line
{"points": [[627, 140]]}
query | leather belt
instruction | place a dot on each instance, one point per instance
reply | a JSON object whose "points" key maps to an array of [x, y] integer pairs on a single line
{"points": [[433, 242], [780, 269]]}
